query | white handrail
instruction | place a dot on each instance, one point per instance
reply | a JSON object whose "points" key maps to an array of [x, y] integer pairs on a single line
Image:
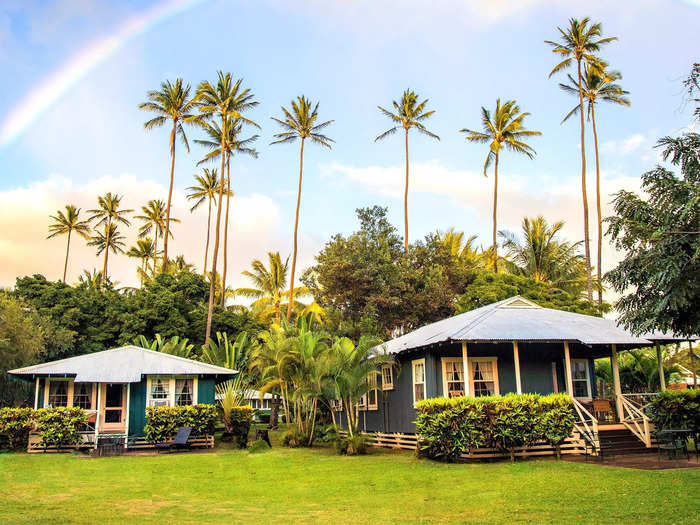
{"points": [[582, 424], [636, 421]]}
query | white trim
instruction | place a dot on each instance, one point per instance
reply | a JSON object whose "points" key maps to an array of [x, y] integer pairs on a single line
{"points": [[128, 401], [445, 361], [388, 385], [69, 390], [616, 381], [372, 381], [494, 360], [36, 394], [555, 378], [98, 413], [516, 361], [465, 367], [414, 363], [567, 370], [586, 364]]}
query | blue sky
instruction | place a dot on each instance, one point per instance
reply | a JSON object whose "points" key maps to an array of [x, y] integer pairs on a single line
{"points": [[350, 56]]}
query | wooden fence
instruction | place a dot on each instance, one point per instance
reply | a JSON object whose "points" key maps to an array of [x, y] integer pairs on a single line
{"points": [[88, 442]]}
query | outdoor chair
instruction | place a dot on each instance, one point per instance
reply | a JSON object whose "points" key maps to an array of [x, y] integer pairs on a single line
{"points": [[180, 441], [671, 444], [602, 409]]}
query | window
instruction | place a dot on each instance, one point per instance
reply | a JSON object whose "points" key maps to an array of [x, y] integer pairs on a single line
{"points": [[337, 405], [183, 391], [418, 367], [362, 402], [452, 377], [373, 393], [159, 392], [579, 378], [82, 395], [58, 393], [484, 376], [387, 377]]}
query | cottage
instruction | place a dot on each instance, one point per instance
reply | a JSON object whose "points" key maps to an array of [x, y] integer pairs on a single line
{"points": [[513, 345], [115, 386]]}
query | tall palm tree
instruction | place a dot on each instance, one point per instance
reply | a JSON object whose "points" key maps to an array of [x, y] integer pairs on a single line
{"points": [[504, 130], [205, 190], [269, 287], [109, 215], [144, 250], [300, 123], [578, 44], [155, 220], [408, 114], [597, 85], [223, 101], [172, 103], [461, 246], [67, 223], [234, 145]]}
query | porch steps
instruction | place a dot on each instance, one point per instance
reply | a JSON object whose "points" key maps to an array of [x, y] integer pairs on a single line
{"points": [[621, 441]]}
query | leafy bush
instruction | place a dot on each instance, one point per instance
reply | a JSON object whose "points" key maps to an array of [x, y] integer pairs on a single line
{"points": [[514, 421], [15, 423], [294, 438], [556, 420], [257, 446], [352, 445], [241, 418], [676, 409], [162, 422], [326, 433], [59, 426]]}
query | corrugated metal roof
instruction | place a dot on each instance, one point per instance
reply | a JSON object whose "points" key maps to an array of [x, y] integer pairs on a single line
{"points": [[125, 364], [518, 319]]}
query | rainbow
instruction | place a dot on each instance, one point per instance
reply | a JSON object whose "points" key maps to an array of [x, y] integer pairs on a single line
{"points": [[52, 88]]}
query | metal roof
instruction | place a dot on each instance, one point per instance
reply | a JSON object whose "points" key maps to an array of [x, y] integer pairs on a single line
{"points": [[518, 319], [125, 364]]}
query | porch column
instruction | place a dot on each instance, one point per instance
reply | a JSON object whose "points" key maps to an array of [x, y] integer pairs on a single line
{"points": [[465, 368], [616, 382], [36, 394], [516, 360], [128, 399], [97, 415], [659, 360], [567, 370]]}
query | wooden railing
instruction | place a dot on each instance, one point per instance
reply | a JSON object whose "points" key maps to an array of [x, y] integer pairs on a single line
{"points": [[641, 401], [636, 421], [586, 424]]}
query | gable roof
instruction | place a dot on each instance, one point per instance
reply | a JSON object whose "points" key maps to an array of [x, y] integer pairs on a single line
{"points": [[519, 319], [125, 364]]}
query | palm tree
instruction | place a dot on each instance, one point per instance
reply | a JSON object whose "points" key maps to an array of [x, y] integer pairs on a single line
{"points": [[597, 85], [462, 247], [408, 114], [155, 219], [269, 287], [171, 103], [300, 123], [579, 43], [68, 222], [224, 101], [108, 214], [234, 145], [144, 250], [505, 129], [205, 189]]}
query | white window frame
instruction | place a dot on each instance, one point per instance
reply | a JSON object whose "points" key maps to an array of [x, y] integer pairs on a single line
{"points": [[415, 363], [171, 389], [362, 402], [372, 381], [387, 385], [337, 405], [69, 390], [586, 367], [494, 360], [445, 362]]}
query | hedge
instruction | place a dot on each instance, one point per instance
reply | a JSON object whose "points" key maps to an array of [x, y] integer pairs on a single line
{"points": [[15, 424], [448, 428], [241, 420], [59, 426], [162, 422], [676, 409]]}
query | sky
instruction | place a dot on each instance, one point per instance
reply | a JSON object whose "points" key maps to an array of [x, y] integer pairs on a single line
{"points": [[74, 72]]}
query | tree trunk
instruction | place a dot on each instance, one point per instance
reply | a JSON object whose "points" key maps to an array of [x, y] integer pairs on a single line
{"points": [[170, 193], [296, 228], [65, 264], [405, 201], [206, 247], [274, 411], [212, 287], [495, 208], [155, 253], [600, 213], [278, 313], [586, 236], [228, 198], [104, 268]]}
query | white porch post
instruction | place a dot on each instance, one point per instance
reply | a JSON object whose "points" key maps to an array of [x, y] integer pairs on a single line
{"points": [[616, 382], [465, 368], [659, 360], [516, 360], [126, 430], [567, 370], [98, 414], [36, 394]]}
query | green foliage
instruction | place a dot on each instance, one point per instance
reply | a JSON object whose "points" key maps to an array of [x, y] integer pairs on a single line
{"points": [[639, 370], [295, 437], [676, 409], [15, 423], [258, 446], [240, 420], [59, 426], [352, 445], [556, 419], [514, 421], [173, 346], [162, 422]]}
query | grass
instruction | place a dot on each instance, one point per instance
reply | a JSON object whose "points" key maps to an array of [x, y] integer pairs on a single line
{"points": [[317, 486]]}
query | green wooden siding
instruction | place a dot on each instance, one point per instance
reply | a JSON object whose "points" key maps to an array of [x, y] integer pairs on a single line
{"points": [[205, 391], [137, 408]]}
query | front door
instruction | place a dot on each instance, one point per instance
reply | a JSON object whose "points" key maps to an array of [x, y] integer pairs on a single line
{"points": [[113, 408]]}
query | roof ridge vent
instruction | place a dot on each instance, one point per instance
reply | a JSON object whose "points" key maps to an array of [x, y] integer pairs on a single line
{"points": [[518, 302]]}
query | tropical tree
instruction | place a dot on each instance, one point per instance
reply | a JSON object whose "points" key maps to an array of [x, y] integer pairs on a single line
{"points": [[155, 219], [109, 215], [67, 223], [144, 250], [271, 360], [223, 101], [205, 190], [504, 130], [173, 345], [300, 123], [579, 43], [462, 247], [545, 258], [409, 113], [598, 85], [268, 288], [172, 103], [234, 145]]}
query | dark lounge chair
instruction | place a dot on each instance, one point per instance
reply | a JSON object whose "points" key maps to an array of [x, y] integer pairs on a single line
{"points": [[180, 441]]}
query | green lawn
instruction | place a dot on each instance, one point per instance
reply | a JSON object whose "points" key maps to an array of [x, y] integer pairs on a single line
{"points": [[229, 486]]}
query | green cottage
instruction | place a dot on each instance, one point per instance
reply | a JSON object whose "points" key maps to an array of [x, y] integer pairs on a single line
{"points": [[115, 386]]}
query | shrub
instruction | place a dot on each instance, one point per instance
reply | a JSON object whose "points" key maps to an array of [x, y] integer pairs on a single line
{"points": [[15, 423], [556, 420], [352, 445], [241, 418], [326, 433], [294, 438], [257, 446], [676, 409], [514, 421], [59, 426], [162, 422]]}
